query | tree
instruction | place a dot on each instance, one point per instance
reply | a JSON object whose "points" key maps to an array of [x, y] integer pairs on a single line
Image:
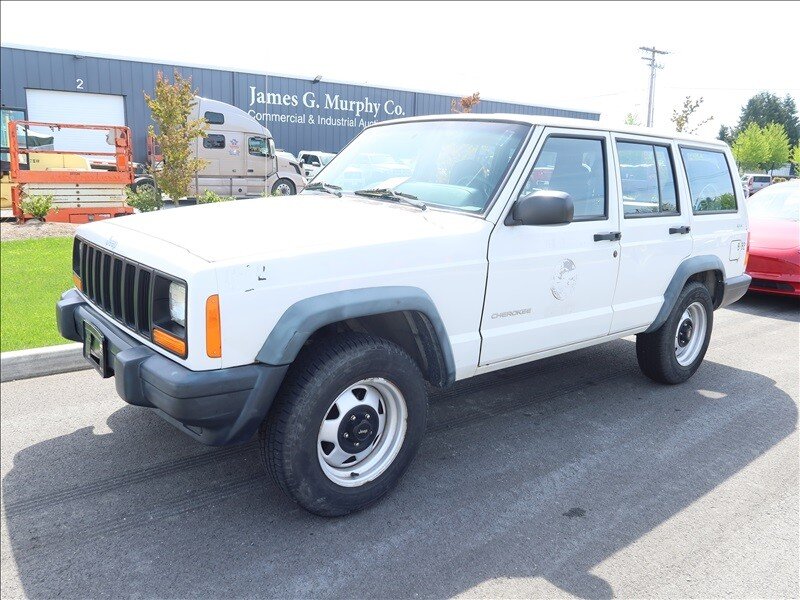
{"points": [[765, 108], [171, 107], [777, 143], [465, 104], [681, 117], [632, 119], [795, 158], [750, 148], [726, 134]]}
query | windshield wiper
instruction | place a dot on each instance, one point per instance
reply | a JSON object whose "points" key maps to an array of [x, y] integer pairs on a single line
{"points": [[325, 187], [390, 194]]}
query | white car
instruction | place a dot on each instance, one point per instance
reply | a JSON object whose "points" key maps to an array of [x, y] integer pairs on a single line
{"points": [[316, 321], [312, 161]]}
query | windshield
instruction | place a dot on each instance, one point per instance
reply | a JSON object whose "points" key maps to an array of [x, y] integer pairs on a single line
{"points": [[776, 202], [452, 164]]}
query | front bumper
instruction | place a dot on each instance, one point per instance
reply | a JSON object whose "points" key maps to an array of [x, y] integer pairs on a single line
{"points": [[219, 407]]}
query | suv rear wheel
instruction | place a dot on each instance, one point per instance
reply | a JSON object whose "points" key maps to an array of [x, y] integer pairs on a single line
{"points": [[674, 351], [346, 425]]}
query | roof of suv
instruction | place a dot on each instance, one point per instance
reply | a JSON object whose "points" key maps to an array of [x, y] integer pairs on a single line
{"points": [[546, 121]]}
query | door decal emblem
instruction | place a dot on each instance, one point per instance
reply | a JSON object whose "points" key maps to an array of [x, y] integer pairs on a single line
{"points": [[564, 280]]}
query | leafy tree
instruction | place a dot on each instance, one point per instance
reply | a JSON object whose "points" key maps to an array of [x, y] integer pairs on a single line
{"points": [[777, 146], [171, 107], [726, 134], [465, 104], [632, 119], [795, 158], [750, 148], [765, 108], [682, 116]]}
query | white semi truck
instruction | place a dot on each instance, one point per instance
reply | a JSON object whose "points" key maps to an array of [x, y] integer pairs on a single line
{"points": [[240, 156]]}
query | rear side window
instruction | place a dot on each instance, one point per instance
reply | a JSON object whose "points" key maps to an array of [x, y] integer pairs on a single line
{"points": [[710, 181], [575, 166], [215, 118], [648, 182], [214, 141]]}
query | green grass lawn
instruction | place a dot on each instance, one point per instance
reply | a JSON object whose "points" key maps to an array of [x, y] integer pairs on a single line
{"points": [[33, 274]]}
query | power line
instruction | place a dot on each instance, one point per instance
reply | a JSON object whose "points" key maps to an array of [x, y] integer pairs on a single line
{"points": [[651, 61]]}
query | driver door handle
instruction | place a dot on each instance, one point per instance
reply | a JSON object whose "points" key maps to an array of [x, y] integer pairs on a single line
{"points": [[682, 230], [611, 236]]}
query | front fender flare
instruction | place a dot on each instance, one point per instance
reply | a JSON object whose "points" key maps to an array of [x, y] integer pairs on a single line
{"points": [[306, 316]]}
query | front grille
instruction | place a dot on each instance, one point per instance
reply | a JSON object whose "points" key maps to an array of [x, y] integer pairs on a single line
{"points": [[119, 287]]}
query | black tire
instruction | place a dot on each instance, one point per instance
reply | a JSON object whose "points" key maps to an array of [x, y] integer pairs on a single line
{"points": [[289, 436], [656, 351], [288, 183]]}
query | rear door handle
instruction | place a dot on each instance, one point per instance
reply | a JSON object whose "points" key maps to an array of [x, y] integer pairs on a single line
{"points": [[249, 170], [611, 236], [682, 230]]}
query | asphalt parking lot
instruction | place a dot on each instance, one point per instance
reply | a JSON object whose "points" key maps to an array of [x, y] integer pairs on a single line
{"points": [[574, 475]]}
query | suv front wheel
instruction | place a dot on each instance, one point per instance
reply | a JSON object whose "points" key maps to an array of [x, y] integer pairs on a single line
{"points": [[674, 351], [346, 425]]}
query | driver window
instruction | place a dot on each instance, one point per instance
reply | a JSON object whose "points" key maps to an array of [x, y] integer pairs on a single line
{"points": [[575, 166]]}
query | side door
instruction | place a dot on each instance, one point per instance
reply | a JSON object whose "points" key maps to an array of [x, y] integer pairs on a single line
{"points": [[256, 164], [552, 286], [656, 228]]}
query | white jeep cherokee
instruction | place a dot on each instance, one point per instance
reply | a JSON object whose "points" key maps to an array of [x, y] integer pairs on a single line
{"points": [[316, 320]]}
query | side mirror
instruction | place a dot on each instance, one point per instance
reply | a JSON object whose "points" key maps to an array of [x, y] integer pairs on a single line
{"points": [[545, 207]]}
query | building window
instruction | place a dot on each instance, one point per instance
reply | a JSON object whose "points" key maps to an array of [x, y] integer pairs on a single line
{"points": [[710, 180], [648, 181], [215, 118], [214, 141]]}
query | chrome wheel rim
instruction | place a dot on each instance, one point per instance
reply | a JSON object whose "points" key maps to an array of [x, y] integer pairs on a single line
{"points": [[362, 432], [690, 334], [284, 189]]}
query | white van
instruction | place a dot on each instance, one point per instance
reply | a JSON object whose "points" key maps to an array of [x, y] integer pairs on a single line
{"points": [[312, 161]]}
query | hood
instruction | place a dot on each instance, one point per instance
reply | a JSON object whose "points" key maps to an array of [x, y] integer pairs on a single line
{"points": [[292, 225], [774, 234]]}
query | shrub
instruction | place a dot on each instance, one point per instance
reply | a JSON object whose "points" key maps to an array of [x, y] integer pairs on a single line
{"points": [[144, 198], [38, 206], [779, 179], [209, 197]]}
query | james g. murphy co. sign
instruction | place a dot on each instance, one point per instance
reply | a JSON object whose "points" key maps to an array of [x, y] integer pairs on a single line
{"points": [[360, 113]]}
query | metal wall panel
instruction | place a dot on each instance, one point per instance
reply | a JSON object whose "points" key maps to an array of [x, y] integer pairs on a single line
{"points": [[301, 115]]}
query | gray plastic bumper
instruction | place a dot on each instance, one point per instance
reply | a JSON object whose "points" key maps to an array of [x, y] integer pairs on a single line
{"points": [[219, 407]]}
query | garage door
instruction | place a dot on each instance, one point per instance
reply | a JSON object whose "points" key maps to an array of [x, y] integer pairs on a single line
{"points": [[76, 108]]}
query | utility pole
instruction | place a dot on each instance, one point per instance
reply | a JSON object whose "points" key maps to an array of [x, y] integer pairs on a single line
{"points": [[651, 61]]}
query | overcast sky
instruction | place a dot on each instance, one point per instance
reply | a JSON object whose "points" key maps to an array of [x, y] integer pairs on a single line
{"points": [[581, 55]]}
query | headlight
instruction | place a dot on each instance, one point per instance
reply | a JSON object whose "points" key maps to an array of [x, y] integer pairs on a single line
{"points": [[177, 303]]}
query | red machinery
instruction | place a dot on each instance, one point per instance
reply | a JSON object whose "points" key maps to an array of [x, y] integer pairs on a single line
{"points": [[80, 193]]}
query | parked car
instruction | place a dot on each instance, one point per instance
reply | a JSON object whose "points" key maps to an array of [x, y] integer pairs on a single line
{"points": [[754, 182], [318, 321], [774, 262], [312, 161]]}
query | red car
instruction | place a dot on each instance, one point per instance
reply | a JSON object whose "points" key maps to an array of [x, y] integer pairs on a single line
{"points": [[774, 262]]}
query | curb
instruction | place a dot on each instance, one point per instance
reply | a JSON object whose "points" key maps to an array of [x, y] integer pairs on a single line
{"points": [[37, 362]]}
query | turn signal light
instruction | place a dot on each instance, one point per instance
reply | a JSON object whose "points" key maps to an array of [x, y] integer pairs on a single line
{"points": [[77, 281], [169, 342], [747, 251], [213, 328]]}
